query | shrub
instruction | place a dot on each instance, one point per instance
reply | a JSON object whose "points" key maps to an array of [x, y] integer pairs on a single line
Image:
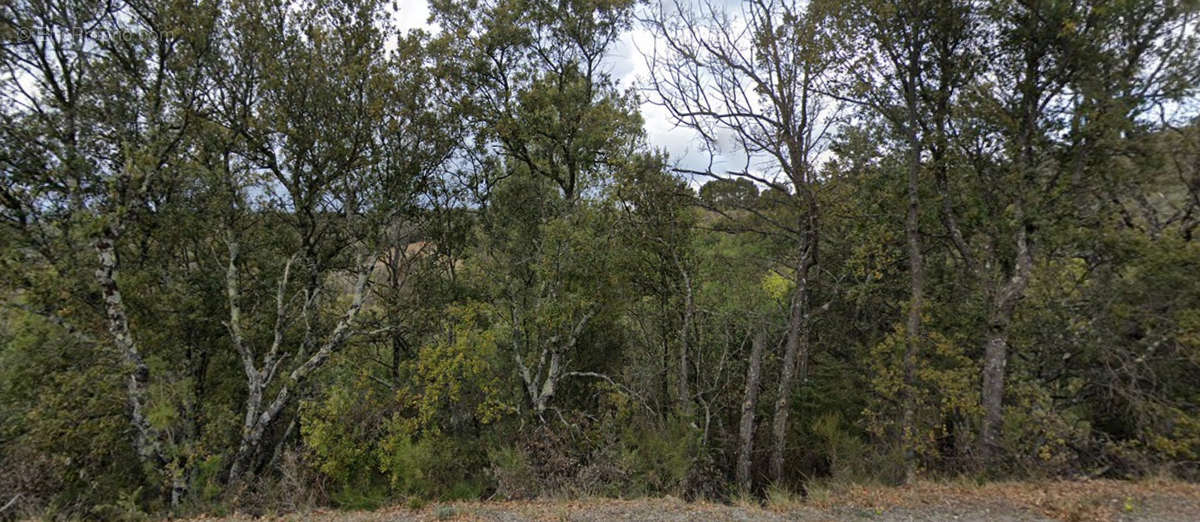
{"points": [[846, 452], [514, 477], [658, 460]]}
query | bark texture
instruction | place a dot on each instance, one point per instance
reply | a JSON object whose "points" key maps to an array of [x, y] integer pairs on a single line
{"points": [[541, 387], [749, 403], [685, 394], [916, 273], [795, 351], [995, 354], [146, 438], [259, 416]]}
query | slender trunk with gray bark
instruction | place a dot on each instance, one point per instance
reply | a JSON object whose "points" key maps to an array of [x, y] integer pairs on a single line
{"points": [[260, 417], [995, 356], [1004, 299], [795, 351], [749, 403], [146, 437], [685, 395], [540, 387], [916, 301]]}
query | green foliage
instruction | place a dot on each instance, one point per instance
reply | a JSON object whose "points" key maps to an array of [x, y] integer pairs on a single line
{"points": [[776, 286], [945, 387], [659, 459], [61, 420], [364, 496], [1146, 416], [433, 467], [408, 464], [848, 454], [729, 194], [457, 375], [549, 306], [340, 432], [127, 508], [1040, 437], [208, 480]]}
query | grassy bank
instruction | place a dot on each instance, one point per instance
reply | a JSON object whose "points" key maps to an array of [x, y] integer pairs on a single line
{"points": [[1160, 500]]}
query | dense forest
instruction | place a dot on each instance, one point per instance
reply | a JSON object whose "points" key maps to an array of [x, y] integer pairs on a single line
{"points": [[268, 254]]}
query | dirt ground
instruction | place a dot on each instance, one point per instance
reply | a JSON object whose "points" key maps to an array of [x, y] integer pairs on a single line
{"points": [[1098, 500]]}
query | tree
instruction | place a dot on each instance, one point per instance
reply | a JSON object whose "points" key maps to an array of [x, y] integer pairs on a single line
{"points": [[258, 254], [729, 193], [908, 70], [656, 222], [758, 77], [1066, 82], [540, 97], [331, 141], [538, 89], [103, 95]]}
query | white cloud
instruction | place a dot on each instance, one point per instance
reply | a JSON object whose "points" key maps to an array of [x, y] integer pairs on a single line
{"points": [[683, 146], [413, 14]]}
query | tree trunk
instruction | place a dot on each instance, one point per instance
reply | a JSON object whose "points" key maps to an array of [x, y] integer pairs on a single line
{"points": [[146, 439], [796, 349], [252, 438], [541, 393], [749, 403], [258, 418], [397, 353], [179, 487], [995, 356], [287, 434], [1005, 300], [916, 273], [685, 395]]}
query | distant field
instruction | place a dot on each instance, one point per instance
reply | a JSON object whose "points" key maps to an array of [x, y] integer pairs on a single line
{"points": [[1008, 501]]}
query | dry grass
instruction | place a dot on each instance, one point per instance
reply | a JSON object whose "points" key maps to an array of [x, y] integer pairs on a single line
{"points": [[1059, 500], [1098, 500]]}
